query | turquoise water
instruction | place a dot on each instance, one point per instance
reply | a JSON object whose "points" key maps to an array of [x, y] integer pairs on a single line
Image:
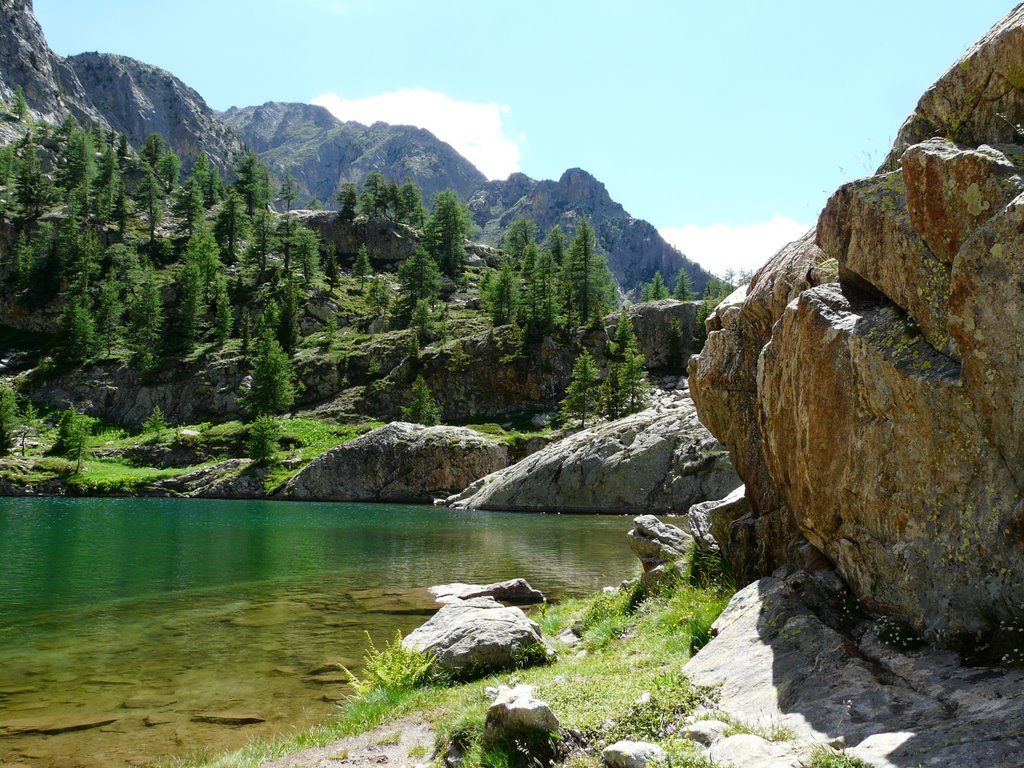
{"points": [[126, 623]]}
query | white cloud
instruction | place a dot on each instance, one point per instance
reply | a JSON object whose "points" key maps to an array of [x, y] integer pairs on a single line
{"points": [[474, 130], [720, 247]]}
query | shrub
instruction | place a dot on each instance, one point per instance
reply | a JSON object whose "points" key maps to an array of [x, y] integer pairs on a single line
{"points": [[264, 434], [393, 667]]}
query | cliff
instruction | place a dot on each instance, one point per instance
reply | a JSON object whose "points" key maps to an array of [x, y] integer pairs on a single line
{"points": [[867, 383]]}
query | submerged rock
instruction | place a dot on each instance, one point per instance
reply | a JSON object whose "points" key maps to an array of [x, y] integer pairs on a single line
{"points": [[400, 462]]}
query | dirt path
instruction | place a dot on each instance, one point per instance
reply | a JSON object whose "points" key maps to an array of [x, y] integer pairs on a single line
{"points": [[402, 743]]}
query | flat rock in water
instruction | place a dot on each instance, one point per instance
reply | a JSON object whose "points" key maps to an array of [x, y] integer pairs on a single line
{"points": [[51, 727], [511, 592], [148, 701], [227, 718]]}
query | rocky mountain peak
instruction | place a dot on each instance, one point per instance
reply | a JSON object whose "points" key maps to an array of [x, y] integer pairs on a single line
{"points": [[137, 98]]}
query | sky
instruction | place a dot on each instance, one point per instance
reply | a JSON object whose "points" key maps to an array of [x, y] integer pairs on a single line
{"points": [[725, 124]]}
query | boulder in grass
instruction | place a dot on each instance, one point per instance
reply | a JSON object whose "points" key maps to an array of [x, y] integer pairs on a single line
{"points": [[480, 635], [631, 754]]}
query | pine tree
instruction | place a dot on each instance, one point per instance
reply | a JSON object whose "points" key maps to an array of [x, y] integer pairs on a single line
{"points": [[34, 190], [378, 297], [231, 225], [20, 105], [253, 183], [224, 317], [419, 279], [502, 294], [422, 409], [264, 439], [145, 320], [589, 286], [263, 242], [362, 268], [521, 233], [155, 423], [446, 231], [168, 169], [272, 390], [152, 206], [410, 205], [348, 202], [684, 286], [421, 322], [8, 417], [305, 247], [540, 291], [288, 331], [109, 311], [77, 331], [581, 396], [655, 289]]}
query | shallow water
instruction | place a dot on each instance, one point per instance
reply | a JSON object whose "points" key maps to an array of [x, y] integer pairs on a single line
{"points": [[127, 625]]}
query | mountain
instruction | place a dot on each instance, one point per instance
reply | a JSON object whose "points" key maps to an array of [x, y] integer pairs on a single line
{"points": [[322, 152], [114, 92], [634, 248], [137, 99]]}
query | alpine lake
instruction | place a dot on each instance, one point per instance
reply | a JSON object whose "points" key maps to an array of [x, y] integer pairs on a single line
{"points": [[136, 630]]}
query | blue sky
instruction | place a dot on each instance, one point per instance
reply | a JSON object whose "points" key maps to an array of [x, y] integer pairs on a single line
{"points": [[726, 125]]}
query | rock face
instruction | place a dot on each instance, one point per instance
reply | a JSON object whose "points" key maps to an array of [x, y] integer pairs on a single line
{"points": [[399, 462], [476, 636], [881, 417], [137, 99], [660, 460], [809, 667], [111, 91], [388, 243], [50, 87], [634, 248], [119, 394]]}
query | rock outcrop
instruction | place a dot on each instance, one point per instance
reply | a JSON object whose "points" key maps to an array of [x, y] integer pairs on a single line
{"points": [[660, 460], [665, 551], [400, 462], [880, 416], [472, 637], [811, 667]]}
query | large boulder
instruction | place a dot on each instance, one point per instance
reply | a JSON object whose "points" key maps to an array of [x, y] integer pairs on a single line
{"points": [[880, 417], [470, 637], [400, 462], [660, 460]]}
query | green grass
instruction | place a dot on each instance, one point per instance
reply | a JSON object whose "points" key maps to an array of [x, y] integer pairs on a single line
{"points": [[826, 757]]}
